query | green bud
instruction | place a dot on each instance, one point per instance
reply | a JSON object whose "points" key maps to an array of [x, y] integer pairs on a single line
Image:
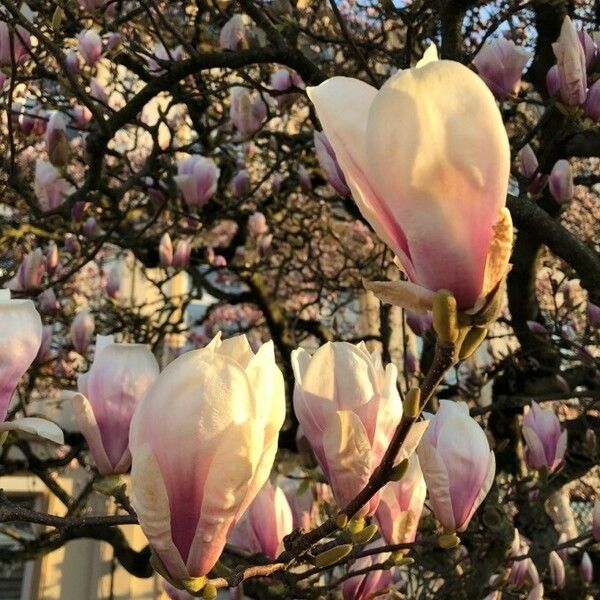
{"points": [[448, 540], [57, 18], [412, 403], [399, 471], [333, 555], [195, 584], [445, 319], [364, 536], [356, 525], [472, 341], [402, 561], [209, 592], [341, 520]]}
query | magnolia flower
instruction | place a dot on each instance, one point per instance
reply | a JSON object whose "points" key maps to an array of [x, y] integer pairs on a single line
{"points": [[586, 568], [46, 345], [557, 570], [233, 34], [546, 444], [197, 178], [419, 324], [366, 586], [553, 81], [241, 183], [52, 256], [348, 407], [56, 140], [90, 46], [570, 59], [303, 499], [500, 64], [560, 182], [113, 282], [401, 505], [30, 272], [48, 302], [329, 164], [427, 160], [82, 329], [107, 396], [285, 80], [457, 464], [17, 49], [590, 49], [181, 256], [247, 112], [72, 62], [592, 312], [199, 462], [161, 55], [165, 250], [266, 522], [49, 187], [592, 103], [257, 224], [596, 520]]}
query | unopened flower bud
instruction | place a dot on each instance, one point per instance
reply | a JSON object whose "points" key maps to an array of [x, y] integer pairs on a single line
{"points": [[586, 568], [366, 535], [592, 103], [445, 317], [333, 555], [560, 182], [472, 341], [165, 250], [56, 140]]}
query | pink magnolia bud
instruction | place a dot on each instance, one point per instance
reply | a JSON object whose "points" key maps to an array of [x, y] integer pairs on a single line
{"points": [[590, 49], [52, 256], [20, 339], [160, 56], [553, 81], [72, 61], [90, 46], [113, 282], [197, 178], [81, 116], [562, 538], [500, 64], [369, 584], [546, 444], [72, 245], [592, 103], [586, 568], [418, 323], [78, 210], [108, 395], [560, 182], [165, 250], [82, 329], [276, 182], [528, 162], [264, 525], [220, 261], [43, 353], [557, 570], [47, 302], [233, 34], [596, 520], [49, 187], [241, 183], [398, 193], [457, 464], [181, 256], [57, 145], [591, 442], [302, 501], [97, 91], [537, 328], [593, 314], [247, 112], [401, 505], [537, 592], [285, 80], [329, 164], [228, 457], [265, 244], [114, 41], [570, 59], [348, 405], [17, 48], [91, 229], [257, 224], [304, 178], [31, 270]]}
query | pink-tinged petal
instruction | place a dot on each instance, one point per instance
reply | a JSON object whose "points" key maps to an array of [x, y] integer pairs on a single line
{"points": [[483, 492], [465, 450], [151, 503], [300, 360], [225, 488], [402, 293], [312, 431], [348, 454], [448, 409], [536, 457], [412, 440], [86, 421], [346, 131], [187, 185], [561, 448], [438, 484], [35, 426], [450, 157]]}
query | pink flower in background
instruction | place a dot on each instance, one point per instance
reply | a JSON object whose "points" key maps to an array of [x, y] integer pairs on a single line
{"points": [[73, 63], [592, 312], [49, 187], [457, 464], [329, 164], [348, 407], [182, 254], [427, 150], [57, 145], [197, 178], [303, 499], [366, 585], [500, 64], [44, 352], [30, 273], [21, 40], [113, 282], [590, 50], [203, 441], [165, 250], [48, 302], [52, 256], [106, 399], [553, 81], [285, 80], [161, 55], [546, 444], [419, 324], [247, 112], [20, 339], [82, 329], [557, 570], [233, 34], [257, 224], [90, 46], [401, 505], [264, 525], [592, 103], [570, 59], [586, 568], [560, 182], [241, 183]]}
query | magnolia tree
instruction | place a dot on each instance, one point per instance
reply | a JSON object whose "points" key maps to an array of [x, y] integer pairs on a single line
{"points": [[389, 212]]}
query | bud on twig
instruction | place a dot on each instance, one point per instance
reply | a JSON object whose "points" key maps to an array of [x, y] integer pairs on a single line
{"points": [[473, 338], [448, 540], [444, 316], [364, 536], [399, 471], [333, 555], [412, 403]]}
